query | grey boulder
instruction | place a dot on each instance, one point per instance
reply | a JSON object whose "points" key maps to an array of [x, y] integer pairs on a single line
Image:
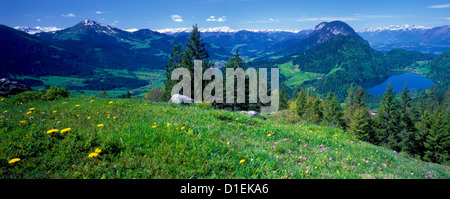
{"points": [[250, 113], [180, 99]]}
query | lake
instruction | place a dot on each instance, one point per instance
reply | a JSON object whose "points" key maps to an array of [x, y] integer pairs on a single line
{"points": [[413, 80]]}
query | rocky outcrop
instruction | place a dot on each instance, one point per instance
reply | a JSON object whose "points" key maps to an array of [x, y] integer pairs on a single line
{"points": [[8, 88]]}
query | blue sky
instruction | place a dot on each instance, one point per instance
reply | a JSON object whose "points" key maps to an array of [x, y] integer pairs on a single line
{"points": [[236, 14]]}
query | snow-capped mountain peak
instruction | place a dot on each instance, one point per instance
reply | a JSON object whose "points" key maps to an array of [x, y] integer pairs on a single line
{"points": [[223, 29], [37, 29], [97, 27], [405, 27]]}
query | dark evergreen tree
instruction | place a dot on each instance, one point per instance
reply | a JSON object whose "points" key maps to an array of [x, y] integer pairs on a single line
{"points": [[283, 96], [295, 92], [349, 104], [195, 50], [300, 102], [423, 127], [235, 62], [332, 111], [437, 142], [389, 120], [313, 112], [174, 62], [360, 121], [360, 125]]}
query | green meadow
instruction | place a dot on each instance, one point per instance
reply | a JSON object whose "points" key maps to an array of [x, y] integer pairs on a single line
{"points": [[85, 137]]}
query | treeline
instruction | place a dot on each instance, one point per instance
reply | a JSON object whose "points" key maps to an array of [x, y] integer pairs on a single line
{"points": [[416, 123]]}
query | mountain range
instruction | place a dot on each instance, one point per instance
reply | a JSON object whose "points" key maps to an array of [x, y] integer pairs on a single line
{"points": [[434, 40], [333, 49]]}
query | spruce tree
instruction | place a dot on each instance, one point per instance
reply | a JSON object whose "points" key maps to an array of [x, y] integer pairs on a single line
{"points": [[437, 142], [235, 62], [349, 105], [360, 125], [300, 102], [389, 120], [195, 50], [332, 112], [295, 92], [283, 96], [360, 121], [423, 130], [174, 62]]}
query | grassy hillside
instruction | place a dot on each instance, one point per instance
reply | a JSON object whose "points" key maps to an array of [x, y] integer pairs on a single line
{"points": [[130, 138]]}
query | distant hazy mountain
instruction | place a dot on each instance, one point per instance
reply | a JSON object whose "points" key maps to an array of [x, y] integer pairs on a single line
{"points": [[425, 39], [251, 42]]}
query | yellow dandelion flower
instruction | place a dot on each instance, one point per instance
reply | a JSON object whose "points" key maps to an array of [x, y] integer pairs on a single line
{"points": [[168, 124], [14, 160], [54, 111], [2, 99], [65, 130], [91, 101], [268, 135], [29, 112], [77, 105], [97, 150], [31, 109], [114, 117], [5, 111], [100, 125], [242, 161], [228, 143], [52, 131], [110, 102], [91, 155], [154, 126], [23, 121], [183, 127], [58, 122], [89, 117], [64, 102]]}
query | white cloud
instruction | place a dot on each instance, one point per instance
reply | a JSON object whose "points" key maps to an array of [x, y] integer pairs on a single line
{"points": [[177, 18], [68, 15], [98, 12], [274, 20], [38, 20], [440, 6], [220, 19]]}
